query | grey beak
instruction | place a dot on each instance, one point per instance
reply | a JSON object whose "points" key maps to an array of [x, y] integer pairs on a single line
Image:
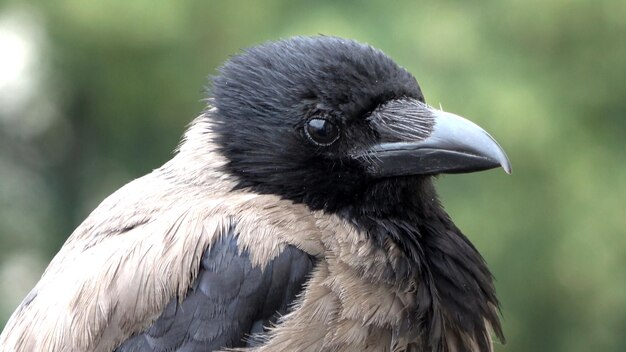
{"points": [[456, 145]]}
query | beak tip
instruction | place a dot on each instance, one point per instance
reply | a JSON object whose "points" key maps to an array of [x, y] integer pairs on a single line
{"points": [[497, 153], [505, 163], [503, 160]]}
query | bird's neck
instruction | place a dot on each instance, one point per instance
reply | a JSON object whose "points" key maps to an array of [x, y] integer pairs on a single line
{"points": [[456, 296]]}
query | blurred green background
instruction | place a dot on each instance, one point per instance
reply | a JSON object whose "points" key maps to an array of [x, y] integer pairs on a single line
{"points": [[94, 94]]}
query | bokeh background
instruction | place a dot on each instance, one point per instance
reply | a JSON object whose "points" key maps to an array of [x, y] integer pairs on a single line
{"points": [[96, 93]]}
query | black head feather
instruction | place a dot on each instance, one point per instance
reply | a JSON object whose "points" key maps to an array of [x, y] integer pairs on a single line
{"points": [[265, 96]]}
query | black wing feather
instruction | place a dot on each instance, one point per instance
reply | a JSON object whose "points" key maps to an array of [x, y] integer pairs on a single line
{"points": [[229, 301]]}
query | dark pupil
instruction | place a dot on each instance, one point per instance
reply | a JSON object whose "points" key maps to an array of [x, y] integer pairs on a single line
{"points": [[322, 131]]}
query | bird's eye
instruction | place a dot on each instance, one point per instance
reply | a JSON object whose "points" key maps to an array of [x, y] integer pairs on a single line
{"points": [[321, 131]]}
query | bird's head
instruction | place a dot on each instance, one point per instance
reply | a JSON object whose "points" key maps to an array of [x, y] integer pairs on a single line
{"points": [[325, 121]]}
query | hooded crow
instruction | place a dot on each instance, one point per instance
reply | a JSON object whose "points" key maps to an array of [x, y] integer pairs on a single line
{"points": [[299, 214]]}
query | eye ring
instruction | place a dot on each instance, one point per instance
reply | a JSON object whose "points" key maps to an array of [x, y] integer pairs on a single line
{"points": [[321, 131]]}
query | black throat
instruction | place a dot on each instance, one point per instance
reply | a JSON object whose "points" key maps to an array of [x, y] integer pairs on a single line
{"points": [[455, 295]]}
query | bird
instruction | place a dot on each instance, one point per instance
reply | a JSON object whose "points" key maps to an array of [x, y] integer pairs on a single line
{"points": [[299, 213]]}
